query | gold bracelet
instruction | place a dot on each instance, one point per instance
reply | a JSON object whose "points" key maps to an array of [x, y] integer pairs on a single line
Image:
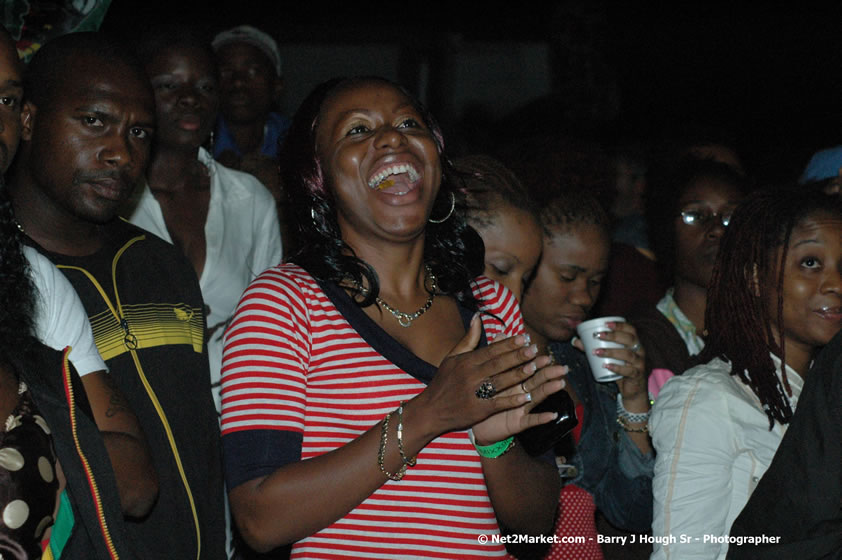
{"points": [[624, 424], [406, 462], [384, 436]]}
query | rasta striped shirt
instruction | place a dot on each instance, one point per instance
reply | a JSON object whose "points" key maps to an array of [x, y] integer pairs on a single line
{"points": [[305, 372]]}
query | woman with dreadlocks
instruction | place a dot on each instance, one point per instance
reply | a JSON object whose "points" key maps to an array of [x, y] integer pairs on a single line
{"points": [[775, 299]]}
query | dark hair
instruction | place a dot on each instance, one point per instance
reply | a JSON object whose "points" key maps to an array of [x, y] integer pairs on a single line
{"points": [[162, 37], [572, 209], [489, 184], [751, 258], [46, 74], [665, 189], [550, 166], [17, 293], [322, 251]]}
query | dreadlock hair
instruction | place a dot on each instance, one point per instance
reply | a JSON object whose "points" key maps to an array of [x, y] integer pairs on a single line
{"points": [[750, 262], [323, 252], [489, 185], [17, 293], [167, 36]]}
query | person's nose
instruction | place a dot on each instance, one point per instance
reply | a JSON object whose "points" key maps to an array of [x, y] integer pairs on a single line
{"points": [[117, 151], [583, 295], [715, 229], [188, 96], [389, 137], [832, 282]]}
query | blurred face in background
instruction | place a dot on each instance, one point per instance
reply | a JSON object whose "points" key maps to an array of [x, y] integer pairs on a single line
{"points": [[186, 97], [704, 204], [11, 98], [248, 83], [513, 244], [568, 280]]}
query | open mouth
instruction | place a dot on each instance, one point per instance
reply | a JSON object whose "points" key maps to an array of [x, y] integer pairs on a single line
{"points": [[397, 179]]}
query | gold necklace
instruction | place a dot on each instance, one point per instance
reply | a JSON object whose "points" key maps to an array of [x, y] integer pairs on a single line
{"points": [[405, 319]]}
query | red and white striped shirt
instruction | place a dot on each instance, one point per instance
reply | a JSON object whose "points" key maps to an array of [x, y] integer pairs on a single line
{"points": [[295, 365]]}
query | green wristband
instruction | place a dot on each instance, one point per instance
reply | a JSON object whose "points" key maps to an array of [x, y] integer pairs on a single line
{"points": [[495, 449]]}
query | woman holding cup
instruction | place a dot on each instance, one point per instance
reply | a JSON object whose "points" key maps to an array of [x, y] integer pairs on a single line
{"points": [[610, 466]]}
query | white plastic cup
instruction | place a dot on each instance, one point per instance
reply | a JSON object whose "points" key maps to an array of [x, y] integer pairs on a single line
{"points": [[587, 332]]}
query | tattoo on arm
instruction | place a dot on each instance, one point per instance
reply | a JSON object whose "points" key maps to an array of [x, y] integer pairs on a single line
{"points": [[117, 403]]}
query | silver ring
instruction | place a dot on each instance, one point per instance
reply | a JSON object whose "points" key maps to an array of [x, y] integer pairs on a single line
{"points": [[486, 389], [636, 347], [522, 386]]}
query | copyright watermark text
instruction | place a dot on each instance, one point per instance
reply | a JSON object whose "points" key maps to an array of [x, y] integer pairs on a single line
{"points": [[529, 539]]}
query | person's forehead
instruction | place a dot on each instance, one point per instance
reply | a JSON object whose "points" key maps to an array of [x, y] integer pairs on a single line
{"points": [[10, 64], [89, 79], [363, 95], [89, 70], [244, 51]]}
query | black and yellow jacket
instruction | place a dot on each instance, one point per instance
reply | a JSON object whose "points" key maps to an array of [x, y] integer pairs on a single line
{"points": [[98, 531], [146, 310]]}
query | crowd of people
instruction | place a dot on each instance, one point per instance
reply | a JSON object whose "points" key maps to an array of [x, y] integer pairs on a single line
{"points": [[229, 334]]}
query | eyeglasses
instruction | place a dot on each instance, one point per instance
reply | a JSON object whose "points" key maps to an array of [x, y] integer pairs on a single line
{"points": [[702, 218]]}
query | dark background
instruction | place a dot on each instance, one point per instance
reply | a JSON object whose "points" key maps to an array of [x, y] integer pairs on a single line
{"points": [[768, 75]]}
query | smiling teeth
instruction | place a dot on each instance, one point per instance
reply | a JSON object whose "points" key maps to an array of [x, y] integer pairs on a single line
{"points": [[379, 181]]}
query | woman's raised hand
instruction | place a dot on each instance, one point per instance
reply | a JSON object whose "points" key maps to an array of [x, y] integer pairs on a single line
{"points": [[491, 389]]}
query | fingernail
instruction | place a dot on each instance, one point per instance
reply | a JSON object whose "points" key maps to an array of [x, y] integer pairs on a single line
{"points": [[599, 334], [532, 351], [527, 339], [475, 318], [528, 397], [611, 324], [599, 352], [530, 368]]}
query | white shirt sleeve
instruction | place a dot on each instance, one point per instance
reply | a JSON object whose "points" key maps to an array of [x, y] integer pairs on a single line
{"points": [[60, 318], [267, 232], [693, 436]]}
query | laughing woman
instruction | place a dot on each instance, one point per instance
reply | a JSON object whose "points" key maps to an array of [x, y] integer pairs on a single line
{"points": [[372, 389], [774, 300]]}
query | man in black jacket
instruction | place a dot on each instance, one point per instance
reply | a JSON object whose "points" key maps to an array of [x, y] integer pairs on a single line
{"points": [[88, 121]]}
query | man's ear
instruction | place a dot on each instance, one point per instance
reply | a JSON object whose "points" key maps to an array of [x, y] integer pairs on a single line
{"points": [[27, 120]]}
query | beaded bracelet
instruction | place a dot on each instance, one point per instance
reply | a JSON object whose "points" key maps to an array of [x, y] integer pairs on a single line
{"points": [[495, 449], [384, 436], [625, 425], [631, 417]]}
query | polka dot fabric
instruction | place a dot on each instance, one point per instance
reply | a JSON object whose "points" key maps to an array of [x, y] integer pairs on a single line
{"points": [[577, 520], [28, 484]]}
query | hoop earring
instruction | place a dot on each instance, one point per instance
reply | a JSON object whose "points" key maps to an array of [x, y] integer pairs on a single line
{"points": [[452, 207]]}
